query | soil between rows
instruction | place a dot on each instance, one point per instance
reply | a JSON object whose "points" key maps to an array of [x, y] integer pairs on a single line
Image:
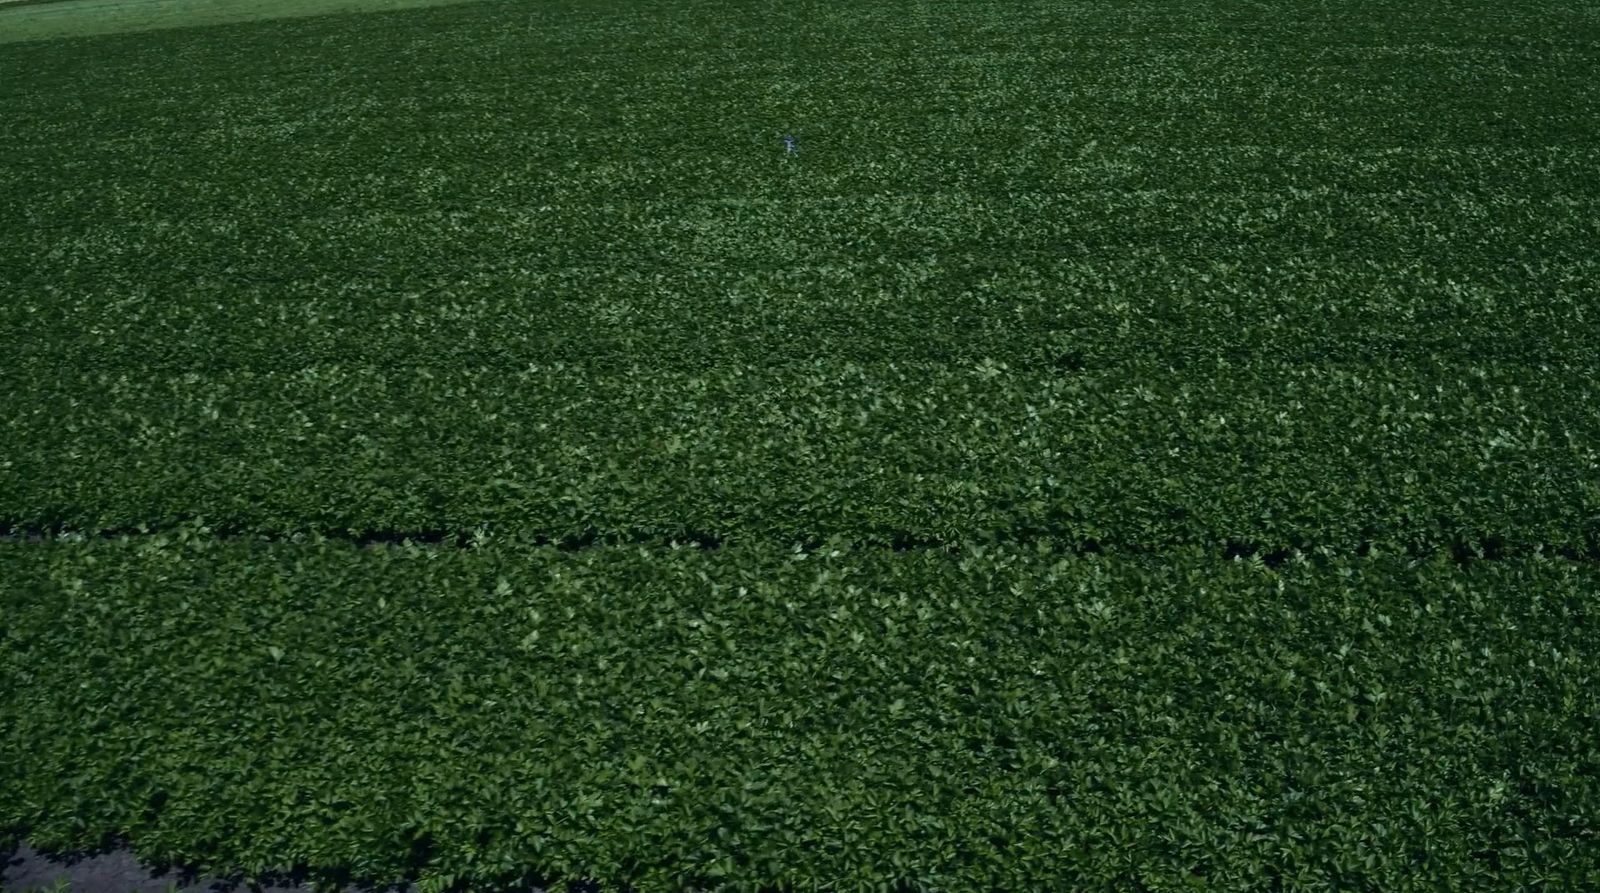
{"points": [[26, 870]]}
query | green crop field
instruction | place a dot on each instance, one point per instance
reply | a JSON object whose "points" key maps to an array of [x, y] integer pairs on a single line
{"points": [[1128, 446]]}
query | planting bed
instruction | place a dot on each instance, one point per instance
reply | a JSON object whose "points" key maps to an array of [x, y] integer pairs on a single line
{"points": [[833, 719]]}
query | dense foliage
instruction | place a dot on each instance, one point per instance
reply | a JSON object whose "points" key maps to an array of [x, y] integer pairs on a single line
{"points": [[1301, 455], [1111, 272], [962, 407], [842, 719]]}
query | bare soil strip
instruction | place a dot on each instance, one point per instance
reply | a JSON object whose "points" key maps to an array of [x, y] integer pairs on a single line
{"points": [[25, 870]]}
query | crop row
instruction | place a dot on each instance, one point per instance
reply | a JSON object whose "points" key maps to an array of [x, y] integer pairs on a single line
{"points": [[832, 720], [1277, 457], [1103, 279]]}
